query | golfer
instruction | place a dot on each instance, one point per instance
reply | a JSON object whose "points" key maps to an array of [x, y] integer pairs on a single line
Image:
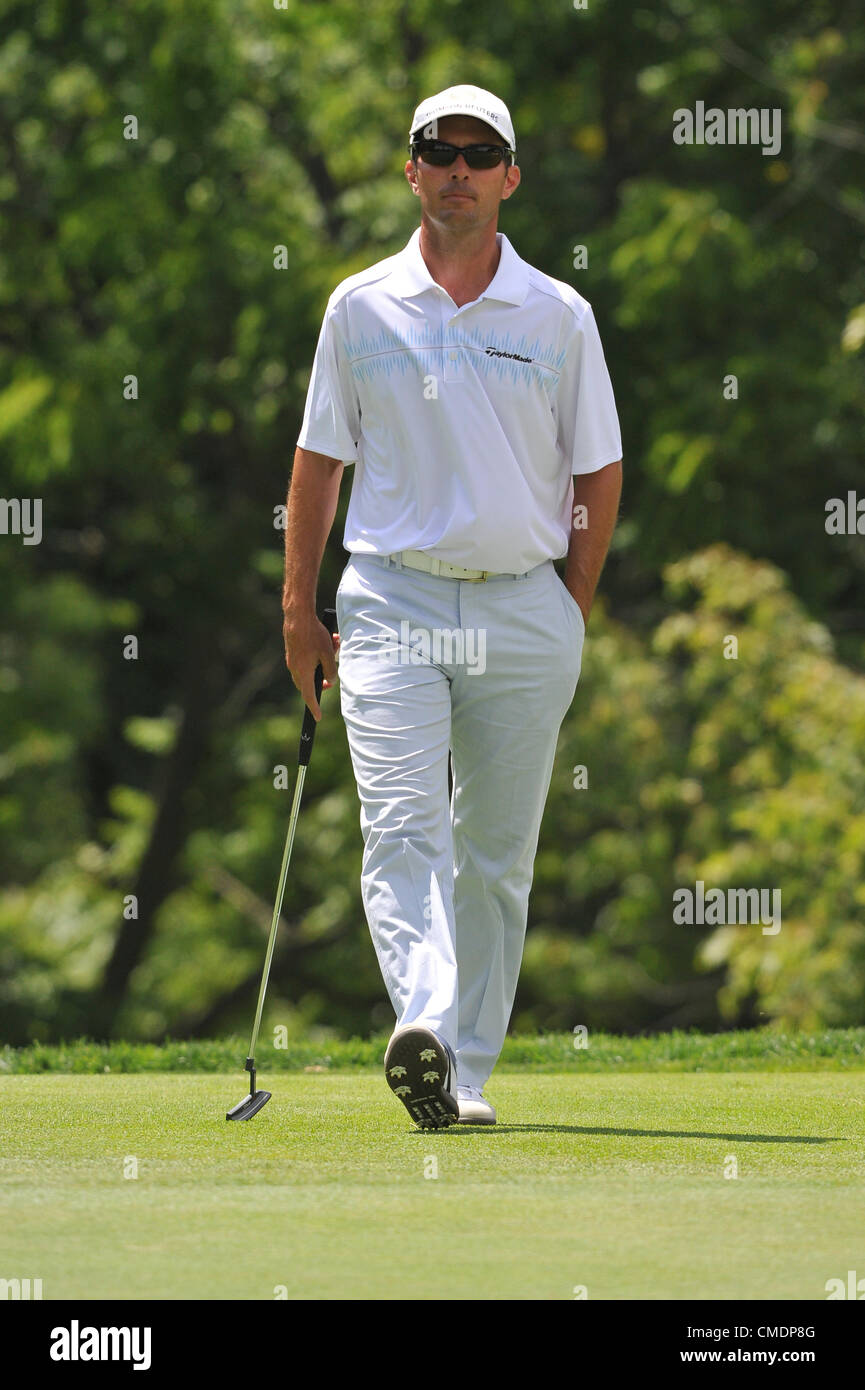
{"points": [[471, 394]]}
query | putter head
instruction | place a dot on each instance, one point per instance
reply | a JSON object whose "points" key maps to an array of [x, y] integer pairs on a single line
{"points": [[249, 1106]]}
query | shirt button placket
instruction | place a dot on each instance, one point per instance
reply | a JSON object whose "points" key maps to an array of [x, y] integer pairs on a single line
{"points": [[452, 354], [447, 348]]}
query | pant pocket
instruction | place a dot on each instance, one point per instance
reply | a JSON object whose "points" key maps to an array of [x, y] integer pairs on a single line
{"points": [[339, 600], [571, 603]]}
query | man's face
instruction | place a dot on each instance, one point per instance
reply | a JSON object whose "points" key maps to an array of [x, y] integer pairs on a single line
{"points": [[459, 197]]}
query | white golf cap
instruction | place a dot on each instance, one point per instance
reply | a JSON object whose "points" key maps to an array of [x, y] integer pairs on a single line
{"points": [[465, 101]]}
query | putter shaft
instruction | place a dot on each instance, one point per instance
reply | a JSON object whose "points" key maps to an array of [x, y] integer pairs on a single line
{"points": [[277, 912], [252, 1103]]}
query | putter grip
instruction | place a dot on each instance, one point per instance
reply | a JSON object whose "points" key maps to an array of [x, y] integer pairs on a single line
{"points": [[307, 733]]}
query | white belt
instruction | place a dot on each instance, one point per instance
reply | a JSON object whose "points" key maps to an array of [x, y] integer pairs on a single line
{"points": [[419, 560]]}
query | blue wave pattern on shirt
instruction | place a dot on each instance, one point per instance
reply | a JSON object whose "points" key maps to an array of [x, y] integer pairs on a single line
{"points": [[402, 353]]}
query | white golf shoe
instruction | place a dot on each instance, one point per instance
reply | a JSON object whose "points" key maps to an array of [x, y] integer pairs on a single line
{"points": [[421, 1071], [474, 1110]]}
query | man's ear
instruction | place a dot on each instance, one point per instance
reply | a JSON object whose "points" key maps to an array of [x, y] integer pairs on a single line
{"points": [[411, 175], [512, 181]]}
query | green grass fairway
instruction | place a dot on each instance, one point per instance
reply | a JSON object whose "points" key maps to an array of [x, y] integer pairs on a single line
{"points": [[611, 1181]]}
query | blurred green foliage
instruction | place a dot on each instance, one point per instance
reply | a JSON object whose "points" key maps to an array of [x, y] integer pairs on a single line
{"points": [[263, 127]]}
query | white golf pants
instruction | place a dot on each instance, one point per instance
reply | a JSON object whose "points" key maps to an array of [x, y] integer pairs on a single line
{"points": [[486, 670]]}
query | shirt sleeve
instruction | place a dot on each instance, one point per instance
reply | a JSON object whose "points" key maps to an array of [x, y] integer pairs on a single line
{"points": [[589, 433], [331, 418]]}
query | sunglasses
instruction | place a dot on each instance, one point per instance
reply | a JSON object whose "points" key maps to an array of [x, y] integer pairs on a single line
{"points": [[439, 153]]}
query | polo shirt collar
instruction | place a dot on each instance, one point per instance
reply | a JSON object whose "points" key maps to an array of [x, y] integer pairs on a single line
{"points": [[510, 283]]}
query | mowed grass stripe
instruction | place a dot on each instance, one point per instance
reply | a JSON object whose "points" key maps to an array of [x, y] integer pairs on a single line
{"points": [[751, 1050], [613, 1182]]}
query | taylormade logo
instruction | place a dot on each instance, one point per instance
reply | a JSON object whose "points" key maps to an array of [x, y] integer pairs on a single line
{"points": [[495, 352], [76, 1343]]}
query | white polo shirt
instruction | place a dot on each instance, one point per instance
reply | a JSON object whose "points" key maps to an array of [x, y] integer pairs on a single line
{"points": [[465, 425]]}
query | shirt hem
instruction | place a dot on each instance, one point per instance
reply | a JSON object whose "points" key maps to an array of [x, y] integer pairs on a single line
{"points": [[304, 442], [597, 463]]}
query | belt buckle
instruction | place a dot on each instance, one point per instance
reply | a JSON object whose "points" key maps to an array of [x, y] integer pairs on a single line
{"points": [[479, 579]]}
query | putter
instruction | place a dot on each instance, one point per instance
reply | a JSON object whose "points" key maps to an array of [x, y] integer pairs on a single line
{"points": [[251, 1104]]}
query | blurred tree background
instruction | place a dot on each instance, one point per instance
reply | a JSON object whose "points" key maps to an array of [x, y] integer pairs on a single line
{"points": [[266, 125]]}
